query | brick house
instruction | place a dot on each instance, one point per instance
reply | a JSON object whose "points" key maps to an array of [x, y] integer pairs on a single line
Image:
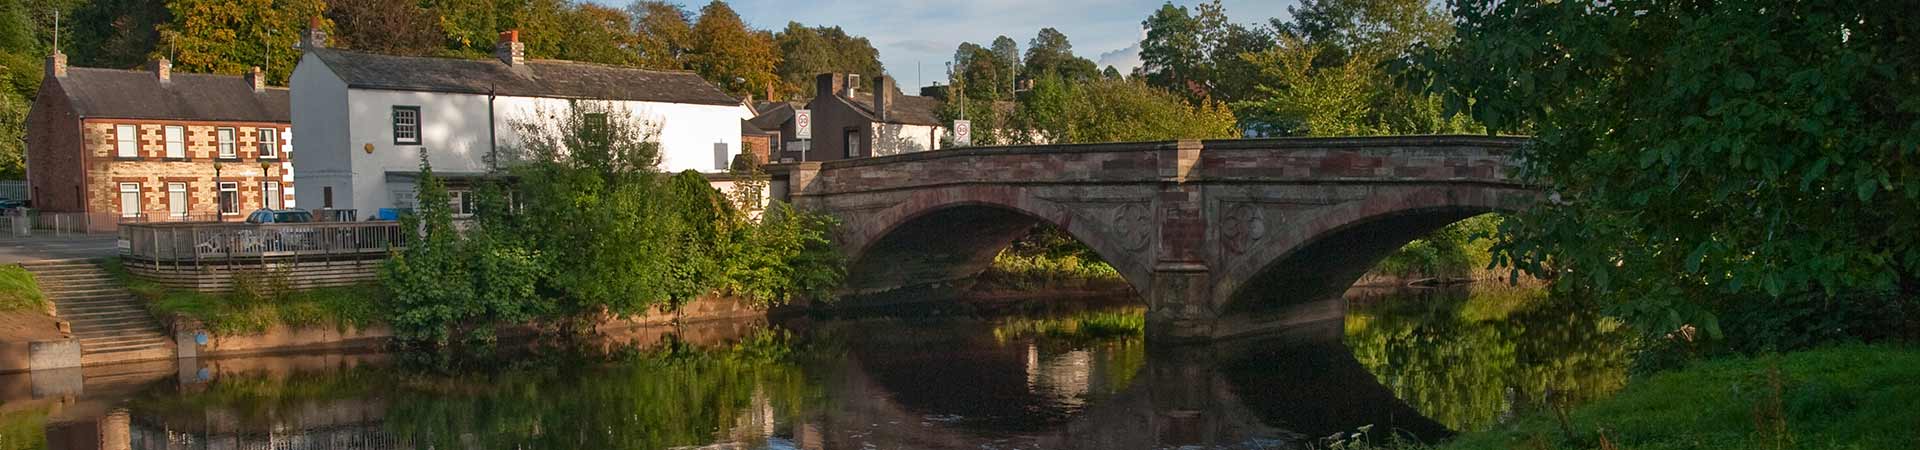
{"points": [[152, 145]]}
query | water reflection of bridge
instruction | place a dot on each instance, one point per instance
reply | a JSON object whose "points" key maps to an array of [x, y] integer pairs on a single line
{"points": [[893, 388]]}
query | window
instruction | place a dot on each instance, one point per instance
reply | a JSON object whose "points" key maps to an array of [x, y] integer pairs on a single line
{"points": [[406, 125], [271, 195], [720, 156], [229, 197], [129, 199], [852, 142], [227, 148], [461, 202], [326, 197], [269, 143], [126, 141], [176, 142], [177, 201]]}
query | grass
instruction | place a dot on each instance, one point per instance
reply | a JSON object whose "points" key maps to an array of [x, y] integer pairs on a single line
{"points": [[1034, 271], [25, 428], [259, 303], [1841, 397], [18, 291], [1091, 325]]}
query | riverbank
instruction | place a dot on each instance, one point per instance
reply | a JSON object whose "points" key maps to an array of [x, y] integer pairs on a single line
{"points": [[1840, 397]]}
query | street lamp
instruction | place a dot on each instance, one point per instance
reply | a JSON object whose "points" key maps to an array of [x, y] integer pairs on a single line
{"points": [[216, 192]]}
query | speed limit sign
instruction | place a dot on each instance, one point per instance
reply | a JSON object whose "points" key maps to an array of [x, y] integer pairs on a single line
{"points": [[803, 124], [962, 133]]}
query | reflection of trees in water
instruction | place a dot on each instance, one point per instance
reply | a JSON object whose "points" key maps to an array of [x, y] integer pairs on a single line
{"points": [[1470, 360], [672, 395]]}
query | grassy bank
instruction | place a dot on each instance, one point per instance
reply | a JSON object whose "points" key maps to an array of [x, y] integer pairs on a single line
{"points": [[18, 291], [1841, 397], [259, 302]]}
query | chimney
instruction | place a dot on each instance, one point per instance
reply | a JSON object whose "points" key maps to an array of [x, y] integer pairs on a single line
{"points": [[257, 79], [162, 69], [57, 64], [510, 50], [852, 86], [314, 37], [827, 84], [882, 97]]}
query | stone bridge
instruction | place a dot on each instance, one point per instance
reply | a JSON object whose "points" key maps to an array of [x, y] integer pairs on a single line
{"points": [[1222, 238]]}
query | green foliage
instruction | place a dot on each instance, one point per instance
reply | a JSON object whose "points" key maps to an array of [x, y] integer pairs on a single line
{"points": [[453, 288], [260, 301], [808, 51], [25, 428], [737, 59], [1461, 250], [1844, 397], [1467, 360], [385, 27], [1198, 53], [18, 291], [230, 36], [1702, 157], [1086, 327], [1120, 111]]}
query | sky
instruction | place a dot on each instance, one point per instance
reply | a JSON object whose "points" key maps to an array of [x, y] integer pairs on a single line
{"points": [[916, 38]]}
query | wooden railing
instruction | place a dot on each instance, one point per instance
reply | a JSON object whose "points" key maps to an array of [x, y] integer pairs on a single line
{"points": [[183, 244]]}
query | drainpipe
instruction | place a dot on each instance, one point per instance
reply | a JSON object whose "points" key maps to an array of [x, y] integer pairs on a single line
{"points": [[493, 142]]}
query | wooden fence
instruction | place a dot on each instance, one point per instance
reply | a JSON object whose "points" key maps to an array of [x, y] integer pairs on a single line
{"points": [[207, 256]]}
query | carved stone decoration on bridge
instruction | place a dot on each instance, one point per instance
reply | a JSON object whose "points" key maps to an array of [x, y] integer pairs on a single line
{"points": [[1135, 225], [1241, 227]]}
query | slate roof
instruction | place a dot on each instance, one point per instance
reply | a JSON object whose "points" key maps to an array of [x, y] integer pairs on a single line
{"points": [[536, 78], [906, 109], [747, 127], [138, 94], [773, 116]]}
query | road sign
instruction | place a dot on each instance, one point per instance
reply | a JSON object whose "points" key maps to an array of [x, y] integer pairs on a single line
{"points": [[962, 133], [803, 124]]}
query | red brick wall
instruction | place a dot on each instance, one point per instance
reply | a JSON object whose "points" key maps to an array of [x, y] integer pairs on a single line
{"points": [[154, 171], [757, 145], [54, 173]]}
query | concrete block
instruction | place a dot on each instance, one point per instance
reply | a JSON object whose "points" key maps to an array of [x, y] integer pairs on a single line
{"points": [[54, 354]]}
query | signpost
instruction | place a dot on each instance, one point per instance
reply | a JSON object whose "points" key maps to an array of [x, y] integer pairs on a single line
{"points": [[803, 129], [962, 133]]}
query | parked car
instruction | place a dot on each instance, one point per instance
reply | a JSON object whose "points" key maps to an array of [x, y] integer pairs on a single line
{"points": [[8, 204], [295, 215]]}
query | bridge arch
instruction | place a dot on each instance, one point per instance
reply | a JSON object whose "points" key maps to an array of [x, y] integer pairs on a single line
{"points": [[947, 234], [1322, 254]]}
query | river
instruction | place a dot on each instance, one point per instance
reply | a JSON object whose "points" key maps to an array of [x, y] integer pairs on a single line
{"points": [[1038, 374]]}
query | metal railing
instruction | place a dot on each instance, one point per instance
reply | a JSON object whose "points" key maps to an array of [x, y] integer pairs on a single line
{"points": [[183, 244], [27, 222]]}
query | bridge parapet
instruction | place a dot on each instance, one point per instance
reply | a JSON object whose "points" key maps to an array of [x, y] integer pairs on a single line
{"points": [[1200, 228]]}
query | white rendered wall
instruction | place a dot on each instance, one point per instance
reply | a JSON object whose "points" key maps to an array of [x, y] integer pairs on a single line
{"points": [[455, 127], [319, 111]]}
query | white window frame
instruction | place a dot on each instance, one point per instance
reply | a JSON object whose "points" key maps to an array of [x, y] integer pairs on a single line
{"points": [[229, 139], [270, 195], [460, 201], [129, 200], [126, 139], [408, 123], [269, 142], [220, 199], [177, 200], [176, 137]]}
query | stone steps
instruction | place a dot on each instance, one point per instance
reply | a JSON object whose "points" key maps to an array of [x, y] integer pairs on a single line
{"points": [[111, 324]]}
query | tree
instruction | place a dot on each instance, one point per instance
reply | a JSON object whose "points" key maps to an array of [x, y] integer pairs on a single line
{"points": [[596, 34], [1050, 53], [469, 26], [115, 33], [978, 72], [809, 51], [728, 54], [1703, 157], [1173, 53], [1120, 111], [387, 27], [1353, 98], [663, 32], [1379, 27], [1199, 55], [1006, 56], [231, 36]]}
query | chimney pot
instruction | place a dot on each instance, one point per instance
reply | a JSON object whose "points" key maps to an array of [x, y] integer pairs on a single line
{"points": [[57, 64], [257, 79], [162, 69], [510, 50]]}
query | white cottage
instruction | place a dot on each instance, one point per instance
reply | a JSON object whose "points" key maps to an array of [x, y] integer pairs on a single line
{"points": [[364, 119]]}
